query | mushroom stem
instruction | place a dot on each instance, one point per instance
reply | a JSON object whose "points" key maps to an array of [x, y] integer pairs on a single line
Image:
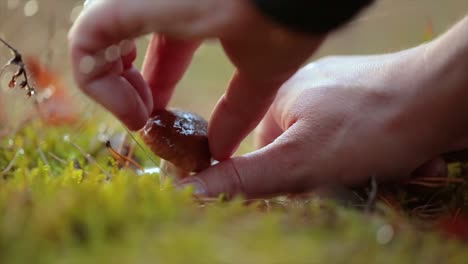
{"points": [[167, 169]]}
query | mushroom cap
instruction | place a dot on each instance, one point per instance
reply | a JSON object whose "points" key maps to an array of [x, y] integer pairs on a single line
{"points": [[179, 137]]}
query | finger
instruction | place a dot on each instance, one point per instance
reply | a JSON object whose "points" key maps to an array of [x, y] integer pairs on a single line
{"points": [[436, 167], [107, 22], [238, 112], [165, 63], [267, 131], [104, 23], [128, 52], [133, 76], [96, 51], [109, 87], [125, 102], [128, 56], [280, 167], [263, 66]]}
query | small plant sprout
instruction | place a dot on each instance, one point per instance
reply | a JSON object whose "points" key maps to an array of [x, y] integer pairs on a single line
{"points": [[53, 103], [89, 157], [17, 60], [11, 163], [435, 182], [123, 160]]}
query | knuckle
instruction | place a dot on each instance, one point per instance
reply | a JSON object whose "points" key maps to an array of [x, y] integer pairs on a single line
{"points": [[237, 181], [291, 157]]}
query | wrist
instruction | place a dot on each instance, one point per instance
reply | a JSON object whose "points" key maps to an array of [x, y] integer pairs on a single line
{"points": [[434, 89], [448, 55]]}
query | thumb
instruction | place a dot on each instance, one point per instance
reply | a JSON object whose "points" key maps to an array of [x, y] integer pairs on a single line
{"points": [[280, 167]]}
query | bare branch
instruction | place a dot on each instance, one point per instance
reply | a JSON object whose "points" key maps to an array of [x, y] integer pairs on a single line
{"points": [[17, 60]]}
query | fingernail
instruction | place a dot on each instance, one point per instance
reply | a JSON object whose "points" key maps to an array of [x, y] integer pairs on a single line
{"points": [[87, 3], [197, 187]]}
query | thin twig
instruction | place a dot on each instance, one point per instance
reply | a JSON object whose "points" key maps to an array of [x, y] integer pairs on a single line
{"points": [[131, 151], [372, 195], [89, 158], [434, 182], [57, 158], [12, 162], [44, 159], [122, 159], [438, 179], [139, 145], [17, 60], [14, 51], [456, 215]]}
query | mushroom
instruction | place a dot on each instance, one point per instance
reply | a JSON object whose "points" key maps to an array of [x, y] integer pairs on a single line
{"points": [[180, 139]]}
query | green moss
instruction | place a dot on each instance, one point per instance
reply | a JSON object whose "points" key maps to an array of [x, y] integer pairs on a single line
{"points": [[65, 210]]}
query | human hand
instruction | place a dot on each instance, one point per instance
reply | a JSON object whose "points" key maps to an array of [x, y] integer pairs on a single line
{"points": [[265, 55], [340, 121]]}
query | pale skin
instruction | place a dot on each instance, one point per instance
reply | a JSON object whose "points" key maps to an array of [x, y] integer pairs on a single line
{"points": [[339, 120], [342, 120], [252, 43]]}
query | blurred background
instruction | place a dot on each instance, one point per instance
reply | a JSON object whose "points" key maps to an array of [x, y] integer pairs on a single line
{"points": [[39, 28]]}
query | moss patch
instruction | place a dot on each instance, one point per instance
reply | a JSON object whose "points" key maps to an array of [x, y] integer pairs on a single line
{"points": [[57, 206]]}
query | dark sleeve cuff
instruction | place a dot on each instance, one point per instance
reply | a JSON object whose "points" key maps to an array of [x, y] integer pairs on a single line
{"points": [[311, 16]]}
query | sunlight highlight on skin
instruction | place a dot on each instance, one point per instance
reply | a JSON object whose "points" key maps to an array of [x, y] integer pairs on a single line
{"points": [[87, 3], [126, 46], [87, 64], [31, 8], [112, 53]]}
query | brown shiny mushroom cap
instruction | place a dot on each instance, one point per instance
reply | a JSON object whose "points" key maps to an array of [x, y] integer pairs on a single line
{"points": [[179, 137]]}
